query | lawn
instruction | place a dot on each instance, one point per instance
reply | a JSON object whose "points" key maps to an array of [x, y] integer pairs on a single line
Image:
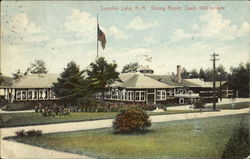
{"points": [[240, 105], [23, 119], [176, 139]]}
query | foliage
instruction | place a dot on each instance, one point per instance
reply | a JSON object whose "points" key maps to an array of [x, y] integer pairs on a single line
{"points": [[19, 106], [102, 74], [29, 133], [130, 68], [71, 85], [199, 103], [1, 78], [131, 120], [18, 74], [238, 146], [37, 67], [3, 102], [240, 79], [53, 111]]}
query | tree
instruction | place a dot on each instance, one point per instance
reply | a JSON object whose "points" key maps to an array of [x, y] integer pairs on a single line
{"points": [[18, 74], [130, 68], [71, 85], [1, 78], [194, 74], [184, 73], [102, 75], [202, 74], [37, 67], [240, 79]]}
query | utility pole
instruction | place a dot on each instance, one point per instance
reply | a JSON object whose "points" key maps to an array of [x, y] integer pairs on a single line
{"points": [[214, 74]]}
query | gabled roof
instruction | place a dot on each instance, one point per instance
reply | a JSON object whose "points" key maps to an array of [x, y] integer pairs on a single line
{"points": [[217, 83], [35, 81], [196, 82], [166, 79], [140, 81]]}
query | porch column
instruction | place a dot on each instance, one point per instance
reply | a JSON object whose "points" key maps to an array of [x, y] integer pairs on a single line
{"points": [[21, 94], [15, 94], [32, 94], [155, 96]]}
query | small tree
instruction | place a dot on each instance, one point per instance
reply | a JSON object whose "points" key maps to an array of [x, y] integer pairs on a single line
{"points": [[37, 67], [102, 75], [18, 74], [199, 104], [71, 85], [130, 68], [131, 120]]}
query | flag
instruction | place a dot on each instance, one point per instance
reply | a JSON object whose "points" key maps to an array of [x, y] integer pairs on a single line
{"points": [[101, 37]]}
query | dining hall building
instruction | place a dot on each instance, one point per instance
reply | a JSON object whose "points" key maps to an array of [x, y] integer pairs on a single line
{"points": [[143, 87]]}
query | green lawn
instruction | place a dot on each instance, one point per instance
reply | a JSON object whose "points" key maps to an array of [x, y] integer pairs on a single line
{"points": [[236, 106], [176, 139], [23, 119]]}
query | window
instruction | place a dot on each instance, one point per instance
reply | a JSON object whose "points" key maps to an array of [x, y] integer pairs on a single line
{"points": [[30, 94], [129, 95], [35, 94], [161, 94], [24, 94], [140, 96], [18, 95]]}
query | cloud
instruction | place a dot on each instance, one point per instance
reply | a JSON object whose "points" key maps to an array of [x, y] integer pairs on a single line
{"points": [[116, 33], [20, 24], [82, 23], [150, 40], [138, 24], [213, 26]]}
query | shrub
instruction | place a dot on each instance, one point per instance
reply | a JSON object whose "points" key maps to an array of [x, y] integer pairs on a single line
{"points": [[131, 120], [238, 146], [29, 133], [199, 103], [20, 133]]}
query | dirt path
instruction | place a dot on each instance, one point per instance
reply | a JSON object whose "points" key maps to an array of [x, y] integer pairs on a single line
{"points": [[12, 150]]}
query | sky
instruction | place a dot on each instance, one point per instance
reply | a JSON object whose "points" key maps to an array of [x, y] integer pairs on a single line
{"points": [[159, 34]]}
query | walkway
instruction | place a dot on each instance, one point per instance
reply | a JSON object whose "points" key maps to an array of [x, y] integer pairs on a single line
{"points": [[13, 150]]}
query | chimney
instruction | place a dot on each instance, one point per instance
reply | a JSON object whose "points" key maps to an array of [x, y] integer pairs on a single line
{"points": [[178, 75]]}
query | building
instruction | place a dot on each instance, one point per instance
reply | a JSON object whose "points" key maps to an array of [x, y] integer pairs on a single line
{"points": [[31, 87], [143, 87], [147, 88]]}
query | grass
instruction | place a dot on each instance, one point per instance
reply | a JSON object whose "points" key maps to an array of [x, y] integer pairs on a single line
{"points": [[32, 118], [176, 139], [240, 105]]}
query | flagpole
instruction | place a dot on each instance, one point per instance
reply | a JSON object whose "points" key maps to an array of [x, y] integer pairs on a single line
{"points": [[97, 44]]}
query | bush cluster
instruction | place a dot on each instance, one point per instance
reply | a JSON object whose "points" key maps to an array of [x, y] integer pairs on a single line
{"points": [[111, 107], [54, 110], [199, 104], [29, 133], [131, 120], [238, 146]]}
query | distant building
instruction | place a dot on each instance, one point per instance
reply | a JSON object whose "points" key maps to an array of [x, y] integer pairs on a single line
{"points": [[31, 87]]}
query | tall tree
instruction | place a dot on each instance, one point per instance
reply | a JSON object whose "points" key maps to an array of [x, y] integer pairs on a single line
{"points": [[37, 67], [102, 74], [202, 74], [240, 79], [71, 85], [17, 74], [130, 68], [1, 78]]}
